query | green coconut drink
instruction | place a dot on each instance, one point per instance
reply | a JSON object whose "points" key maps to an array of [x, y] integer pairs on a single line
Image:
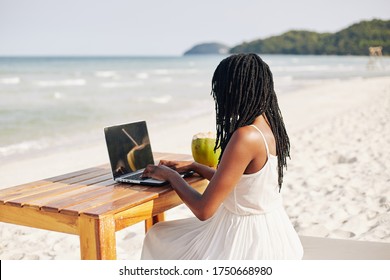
{"points": [[202, 147]]}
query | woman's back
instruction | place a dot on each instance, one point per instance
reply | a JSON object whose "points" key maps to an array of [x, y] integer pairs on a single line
{"points": [[256, 193]]}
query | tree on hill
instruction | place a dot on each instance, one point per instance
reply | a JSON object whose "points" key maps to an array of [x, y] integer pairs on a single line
{"points": [[354, 40]]}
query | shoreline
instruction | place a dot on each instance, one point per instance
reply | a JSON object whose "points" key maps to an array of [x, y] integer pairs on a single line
{"points": [[336, 185]]}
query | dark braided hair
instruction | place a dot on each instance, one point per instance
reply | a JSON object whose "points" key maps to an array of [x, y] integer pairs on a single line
{"points": [[243, 89]]}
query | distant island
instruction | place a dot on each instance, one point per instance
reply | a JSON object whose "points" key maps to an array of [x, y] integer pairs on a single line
{"points": [[208, 48], [353, 40]]}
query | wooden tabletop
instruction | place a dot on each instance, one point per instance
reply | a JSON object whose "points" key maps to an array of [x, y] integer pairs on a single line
{"points": [[89, 203], [91, 192]]}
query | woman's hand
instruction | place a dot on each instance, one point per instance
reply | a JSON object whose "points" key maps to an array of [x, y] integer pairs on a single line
{"points": [[179, 166], [186, 166], [158, 172]]}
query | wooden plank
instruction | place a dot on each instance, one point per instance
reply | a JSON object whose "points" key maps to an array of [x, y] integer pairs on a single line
{"points": [[42, 189], [71, 197], [117, 205], [18, 188], [87, 176], [98, 180], [64, 193], [28, 192], [142, 212], [118, 192], [37, 219], [63, 204], [85, 200], [78, 173], [50, 180], [97, 238], [52, 194]]}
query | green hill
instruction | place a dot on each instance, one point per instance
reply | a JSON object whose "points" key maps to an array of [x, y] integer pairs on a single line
{"points": [[354, 40]]}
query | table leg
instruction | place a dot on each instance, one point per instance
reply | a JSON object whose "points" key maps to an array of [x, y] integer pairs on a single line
{"points": [[154, 220], [97, 238]]}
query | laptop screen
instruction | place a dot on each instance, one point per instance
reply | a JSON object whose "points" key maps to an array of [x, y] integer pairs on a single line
{"points": [[128, 147]]}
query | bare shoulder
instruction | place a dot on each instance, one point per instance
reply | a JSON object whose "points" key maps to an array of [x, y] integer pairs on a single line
{"points": [[247, 134], [247, 137], [241, 135]]}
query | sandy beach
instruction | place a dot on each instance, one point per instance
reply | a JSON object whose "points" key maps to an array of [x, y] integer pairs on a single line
{"points": [[337, 184]]}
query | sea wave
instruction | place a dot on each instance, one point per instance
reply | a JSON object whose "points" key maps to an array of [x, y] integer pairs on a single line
{"points": [[315, 68], [161, 71], [285, 78], [198, 84], [10, 80], [142, 75], [62, 83], [106, 74], [166, 80], [301, 68], [23, 147], [121, 84], [58, 95], [163, 99]]}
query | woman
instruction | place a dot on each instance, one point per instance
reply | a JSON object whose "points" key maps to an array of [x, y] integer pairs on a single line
{"points": [[240, 214]]}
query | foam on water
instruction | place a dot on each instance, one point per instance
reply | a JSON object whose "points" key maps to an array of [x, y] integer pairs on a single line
{"points": [[161, 99], [106, 74], [129, 84], [142, 75], [161, 71], [10, 80], [62, 83], [22, 147]]}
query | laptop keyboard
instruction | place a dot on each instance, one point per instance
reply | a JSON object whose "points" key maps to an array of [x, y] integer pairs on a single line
{"points": [[138, 176], [135, 176]]}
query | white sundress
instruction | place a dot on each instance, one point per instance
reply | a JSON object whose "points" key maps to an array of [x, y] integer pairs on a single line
{"points": [[250, 224]]}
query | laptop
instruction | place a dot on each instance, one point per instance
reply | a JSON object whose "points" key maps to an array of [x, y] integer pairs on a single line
{"points": [[130, 151]]}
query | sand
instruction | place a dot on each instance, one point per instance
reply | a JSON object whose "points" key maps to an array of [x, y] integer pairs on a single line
{"points": [[337, 184]]}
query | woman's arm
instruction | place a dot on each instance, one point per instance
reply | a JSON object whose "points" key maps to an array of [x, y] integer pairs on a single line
{"points": [[239, 152], [203, 170]]}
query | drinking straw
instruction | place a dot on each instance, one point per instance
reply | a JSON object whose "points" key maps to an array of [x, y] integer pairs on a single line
{"points": [[128, 135]]}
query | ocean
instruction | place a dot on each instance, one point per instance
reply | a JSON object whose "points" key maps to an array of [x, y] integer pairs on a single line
{"points": [[56, 102]]}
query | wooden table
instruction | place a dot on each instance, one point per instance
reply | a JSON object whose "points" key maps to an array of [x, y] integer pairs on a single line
{"points": [[90, 204]]}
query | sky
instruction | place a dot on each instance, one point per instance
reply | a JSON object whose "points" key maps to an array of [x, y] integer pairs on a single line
{"points": [[169, 27]]}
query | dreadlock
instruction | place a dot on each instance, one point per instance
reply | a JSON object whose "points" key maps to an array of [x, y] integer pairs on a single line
{"points": [[243, 89]]}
